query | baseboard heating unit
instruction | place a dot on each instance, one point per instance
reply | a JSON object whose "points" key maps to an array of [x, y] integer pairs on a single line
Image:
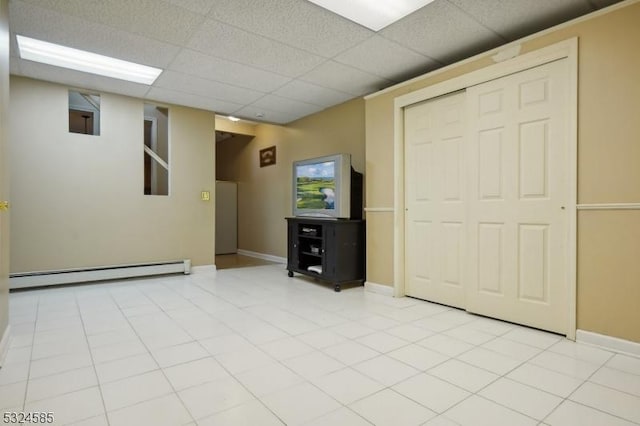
{"points": [[71, 276]]}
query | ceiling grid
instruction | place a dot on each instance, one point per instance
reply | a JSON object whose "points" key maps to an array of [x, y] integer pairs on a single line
{"points": [[281, 60]]}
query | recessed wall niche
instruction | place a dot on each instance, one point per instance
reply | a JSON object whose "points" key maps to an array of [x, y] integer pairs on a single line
{"points": [[84, 113], [156, 150]]}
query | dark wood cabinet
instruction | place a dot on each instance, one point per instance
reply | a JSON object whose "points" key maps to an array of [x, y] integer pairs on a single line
{"points": [[327, 249]]}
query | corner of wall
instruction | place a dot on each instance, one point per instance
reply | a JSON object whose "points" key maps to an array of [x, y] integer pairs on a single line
{"points": [[4, 176]]}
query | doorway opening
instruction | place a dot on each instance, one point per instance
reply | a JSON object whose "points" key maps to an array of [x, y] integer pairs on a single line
{"points": [[233, 160]]}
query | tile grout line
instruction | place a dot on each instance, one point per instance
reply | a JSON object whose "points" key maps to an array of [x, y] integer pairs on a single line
{"points": [[93, 364], [211, 355], [225, 369], [35, 323], [271, 301], [386, 387], [305, 379], [409, 343], [128, 319], [585, 381], [455, 357]]}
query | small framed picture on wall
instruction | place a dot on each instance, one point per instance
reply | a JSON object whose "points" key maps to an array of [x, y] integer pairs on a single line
{"points": [[268, 156]]}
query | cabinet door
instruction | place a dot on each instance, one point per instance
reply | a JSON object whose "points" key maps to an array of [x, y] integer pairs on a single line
{"points": [[292, 245], [349, 243], [329, 251]]}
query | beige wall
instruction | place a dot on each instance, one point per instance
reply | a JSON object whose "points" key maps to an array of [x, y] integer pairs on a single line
{"points": [[78, 199], [608, 164], [4, 172], [264, 194], [609, 273]]}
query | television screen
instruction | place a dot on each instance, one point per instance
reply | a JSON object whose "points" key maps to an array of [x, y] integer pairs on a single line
{"points": [[321, 187], [316, 186]]}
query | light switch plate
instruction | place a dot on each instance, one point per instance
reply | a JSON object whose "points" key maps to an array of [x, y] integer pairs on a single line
{"points": [[205, 195]]}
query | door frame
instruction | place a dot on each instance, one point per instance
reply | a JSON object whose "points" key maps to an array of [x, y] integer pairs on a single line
{"points": [[567, 49]]}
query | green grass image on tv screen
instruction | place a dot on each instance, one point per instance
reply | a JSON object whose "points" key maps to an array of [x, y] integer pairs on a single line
{"points": [[310, 193]]}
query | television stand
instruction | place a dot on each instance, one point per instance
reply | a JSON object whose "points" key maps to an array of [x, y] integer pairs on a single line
{"points": [[330, 250]]}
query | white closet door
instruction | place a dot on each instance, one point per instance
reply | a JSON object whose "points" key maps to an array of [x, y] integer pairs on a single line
{"points": [[435, 193], [518, 187]]}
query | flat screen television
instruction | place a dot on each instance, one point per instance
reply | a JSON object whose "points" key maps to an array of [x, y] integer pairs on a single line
{"points": [[327, 187]]}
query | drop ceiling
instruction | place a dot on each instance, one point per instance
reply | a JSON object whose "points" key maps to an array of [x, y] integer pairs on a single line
{"points": [[274, 61]]}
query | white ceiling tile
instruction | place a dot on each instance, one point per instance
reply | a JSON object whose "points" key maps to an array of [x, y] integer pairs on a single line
{"points": [[518, 18], [217, 39], [55, 27], [286, 58], [312, 94], [344, 78], [280, 104], [201, 7], [385, 58], [201, 65], [160, 94], [250, 113], [211, 89], [81, 80], [156, 19], [297, 23], [443, 32]]}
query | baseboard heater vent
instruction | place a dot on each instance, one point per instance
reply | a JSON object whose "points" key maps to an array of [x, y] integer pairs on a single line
{"points": [[71, 276]]}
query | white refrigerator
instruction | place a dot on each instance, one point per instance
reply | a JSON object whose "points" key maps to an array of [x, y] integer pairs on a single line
{"points": [[226, 217]]}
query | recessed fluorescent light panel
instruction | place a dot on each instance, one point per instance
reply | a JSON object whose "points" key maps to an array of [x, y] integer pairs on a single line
{"points": [[80, 60], [373, 14]]}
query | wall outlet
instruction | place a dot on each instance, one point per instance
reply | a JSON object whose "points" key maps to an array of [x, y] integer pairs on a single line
{"points": [[205, 195]]}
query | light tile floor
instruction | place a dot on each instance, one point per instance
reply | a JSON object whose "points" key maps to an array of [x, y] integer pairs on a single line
{"points": [[251, 346]]}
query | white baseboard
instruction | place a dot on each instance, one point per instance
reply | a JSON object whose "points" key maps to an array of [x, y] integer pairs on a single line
{"points": [[4, 344], [608, 342], [378, 288], [203, 269], [263, 256], [71, 276]]}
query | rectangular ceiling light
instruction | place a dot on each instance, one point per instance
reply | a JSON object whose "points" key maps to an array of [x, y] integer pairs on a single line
{"points": [[373, 14], [80, 60]]}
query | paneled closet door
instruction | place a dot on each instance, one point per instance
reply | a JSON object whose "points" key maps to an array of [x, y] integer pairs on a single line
{"points": [[435, 186], [517, 228]]}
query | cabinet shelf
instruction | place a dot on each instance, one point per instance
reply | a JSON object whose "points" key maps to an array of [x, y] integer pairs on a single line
{"points": [[311, 237]]}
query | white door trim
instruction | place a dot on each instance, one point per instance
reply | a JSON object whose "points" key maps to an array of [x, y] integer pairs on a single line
{"points": [[609, 206], [565, 49]]}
